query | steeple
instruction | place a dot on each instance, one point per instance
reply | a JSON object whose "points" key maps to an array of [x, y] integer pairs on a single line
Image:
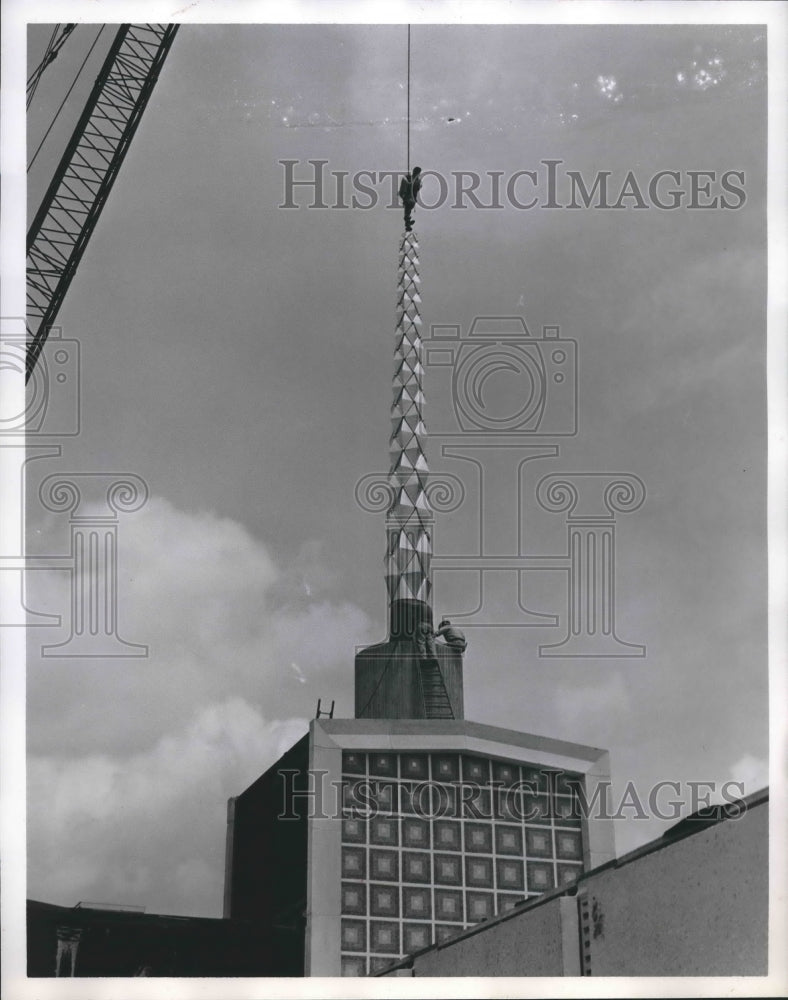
{"points": [[394, 680], [409, 518]]}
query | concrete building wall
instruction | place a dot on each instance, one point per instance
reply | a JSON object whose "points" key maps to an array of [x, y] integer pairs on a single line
{"points": [[698, 906], [546, 950], [693, 906]]}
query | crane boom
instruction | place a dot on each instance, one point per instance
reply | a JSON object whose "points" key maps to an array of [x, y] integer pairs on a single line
{"points": [[87, 170]]}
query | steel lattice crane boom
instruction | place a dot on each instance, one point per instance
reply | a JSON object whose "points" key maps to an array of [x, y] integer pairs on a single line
{"points": [[87, 170]]}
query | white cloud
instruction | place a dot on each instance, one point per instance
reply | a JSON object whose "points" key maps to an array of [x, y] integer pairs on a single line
{"points": [[148, 828], [220, 617], [132, 760], [752, 772]]}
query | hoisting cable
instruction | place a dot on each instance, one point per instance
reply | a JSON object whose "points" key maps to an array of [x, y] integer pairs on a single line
{"points": [[35, 76], [52, 50], [408, 117], [62, 103]]}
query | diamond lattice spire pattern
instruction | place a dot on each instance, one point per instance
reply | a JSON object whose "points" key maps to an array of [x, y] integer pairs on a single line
{"points": [[409, 518]]}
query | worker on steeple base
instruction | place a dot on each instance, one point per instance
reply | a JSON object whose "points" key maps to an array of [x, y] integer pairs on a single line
{"points": [[425, 638]]}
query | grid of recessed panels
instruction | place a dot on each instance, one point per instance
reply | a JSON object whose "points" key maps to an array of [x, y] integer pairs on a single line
{"points": [[435, 842]]}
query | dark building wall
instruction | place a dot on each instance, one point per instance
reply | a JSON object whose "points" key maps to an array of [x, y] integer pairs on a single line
{"points": [[121, 943], [268, 856]]}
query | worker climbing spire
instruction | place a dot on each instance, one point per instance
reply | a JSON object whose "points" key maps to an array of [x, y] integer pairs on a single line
{"points": [[409, 676], [409, 517]]}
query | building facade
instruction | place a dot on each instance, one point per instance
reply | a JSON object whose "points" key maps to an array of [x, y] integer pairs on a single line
{"points": [[386, 836]]}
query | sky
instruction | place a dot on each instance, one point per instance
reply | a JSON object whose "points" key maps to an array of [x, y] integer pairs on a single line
{"points": [[238, 357]]}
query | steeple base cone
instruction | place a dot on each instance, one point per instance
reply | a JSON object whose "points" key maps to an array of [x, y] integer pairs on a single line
{"points": [[390, 675]]}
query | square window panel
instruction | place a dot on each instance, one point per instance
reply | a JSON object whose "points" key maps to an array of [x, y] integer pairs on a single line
{"points": [[378, 962], [565, 808], [354, 862], [446, 835], [384, 830], [540, 876], [384, 936], [384, 900], [447, 869], [416, 903], [448, 905], [431, 800], [538, 843], [445, 767], [354, 762], [536, 778], [354, 794], [478, 838], [506, 902], [384, 865], [536, 808], [354, 831], [354, 935], [383, 765], [354, 965], [568, 782], [510, 873], [479, 872], [415, 766], [505, 773], [383, 796], [481, 905], [415, 832], [416, 936], [568, 845], [476, 769], [475, 801], [509, 840], [567, 874], [354, 898], [509, 804], [445, 931], [415, 867], [444, 799], [406, 799]]}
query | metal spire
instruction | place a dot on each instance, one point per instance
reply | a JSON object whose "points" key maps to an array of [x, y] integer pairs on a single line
{"points": [[409, 518]]}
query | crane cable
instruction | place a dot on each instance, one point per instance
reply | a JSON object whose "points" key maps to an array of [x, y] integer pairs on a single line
{"points": [[62, 103], [35, 76], [51, 52], [408, 118]]}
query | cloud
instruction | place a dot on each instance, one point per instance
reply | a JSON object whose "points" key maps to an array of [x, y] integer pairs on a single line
{"points": [[148, 828], [131, 761], [220, 617], [752, 772]]}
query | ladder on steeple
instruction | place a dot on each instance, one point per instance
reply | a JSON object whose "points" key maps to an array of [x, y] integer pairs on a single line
{"points": [[433, 690]]}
